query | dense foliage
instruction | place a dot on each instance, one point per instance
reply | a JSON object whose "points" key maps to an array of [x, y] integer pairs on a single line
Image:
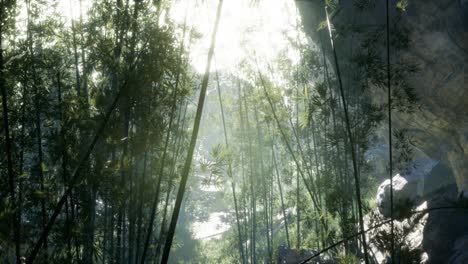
{"points": [[97, 118]]}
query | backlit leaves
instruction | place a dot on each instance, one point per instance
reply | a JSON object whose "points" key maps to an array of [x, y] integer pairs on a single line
{"points": [[402, 5]]}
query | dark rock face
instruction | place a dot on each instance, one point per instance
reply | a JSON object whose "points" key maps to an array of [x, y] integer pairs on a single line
{"points": [[445, 234], [460, 254], [439, 46]]}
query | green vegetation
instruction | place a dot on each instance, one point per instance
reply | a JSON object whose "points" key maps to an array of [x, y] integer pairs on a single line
{"points": [[107, 128]]}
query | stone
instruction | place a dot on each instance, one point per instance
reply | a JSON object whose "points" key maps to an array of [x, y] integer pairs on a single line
{"points": [[404, 191], [423, 177], [460, 252]]}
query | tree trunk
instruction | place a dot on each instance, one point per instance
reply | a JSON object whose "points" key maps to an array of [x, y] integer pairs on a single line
{"points": [[11, 176], [253, 198], [154, 205], [351, 142], [288, 146], [193, 140], [283, 208], [64, 166], [40, 165], [230, 174], [262, 177]]}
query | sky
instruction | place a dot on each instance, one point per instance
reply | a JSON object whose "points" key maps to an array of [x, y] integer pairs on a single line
{"points": [[247, 29]]}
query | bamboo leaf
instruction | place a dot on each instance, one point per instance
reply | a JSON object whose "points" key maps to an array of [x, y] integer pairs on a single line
{"points": [[39, 194], [43, 167], [402, 5], [303, 119], [23, 175]]}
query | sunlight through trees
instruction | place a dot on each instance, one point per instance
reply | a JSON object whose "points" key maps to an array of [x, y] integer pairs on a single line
{"points": [[207, 132]]}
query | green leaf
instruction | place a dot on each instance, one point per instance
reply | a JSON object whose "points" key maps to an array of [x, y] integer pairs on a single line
{"points": [[402, 5], [321, 90], [322, 25], [43, 167], [331, 3], [22, 176], [39, 194], [304, 119]]}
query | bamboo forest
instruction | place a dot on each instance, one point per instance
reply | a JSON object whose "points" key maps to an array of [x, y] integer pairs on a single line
{"points": [[234, 131]]}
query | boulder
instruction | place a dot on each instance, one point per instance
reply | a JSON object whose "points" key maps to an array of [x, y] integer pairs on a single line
{"points": [[419, 181], [404, 192]]}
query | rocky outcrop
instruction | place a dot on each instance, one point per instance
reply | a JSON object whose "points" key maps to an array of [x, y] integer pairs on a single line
{"points": [[404, 192], [438, 234], [439, 46], [460, 254], [424, 178]]}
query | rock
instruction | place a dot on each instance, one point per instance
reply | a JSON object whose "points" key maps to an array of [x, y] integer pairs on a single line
{"points": [[439, 45], [460, 252], [440, 177], [445, 234], [436, 236], [404, 191], [422, 178]]}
